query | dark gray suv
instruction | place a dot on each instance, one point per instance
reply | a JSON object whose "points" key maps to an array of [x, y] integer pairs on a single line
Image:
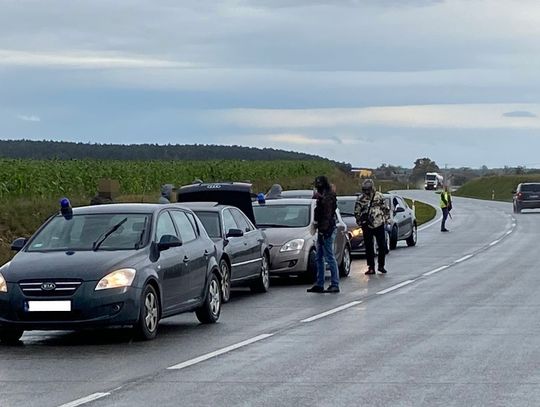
{"points": [[527, 196]]}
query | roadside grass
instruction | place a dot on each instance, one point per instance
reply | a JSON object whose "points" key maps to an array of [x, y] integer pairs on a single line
{"points": [[424, 212], [501, 186]]}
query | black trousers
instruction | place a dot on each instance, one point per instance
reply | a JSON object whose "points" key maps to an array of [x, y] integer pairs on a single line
{"points": [[369, 236], [444, 217]]}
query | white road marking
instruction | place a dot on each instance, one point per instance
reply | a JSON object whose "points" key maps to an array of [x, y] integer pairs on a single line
{"points": [[467, 257], [219, 352], [87, 399], [507, 233], [332, 311], [435, 271], [395, 287], [495, 242]]}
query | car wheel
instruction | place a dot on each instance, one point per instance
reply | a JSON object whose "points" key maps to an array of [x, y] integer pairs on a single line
{"points": [[147, 326], [262, 284], [209, 311], [345, 266], [412, 239], [310, 275], [394, 238], [10, 336], [225, 280]]}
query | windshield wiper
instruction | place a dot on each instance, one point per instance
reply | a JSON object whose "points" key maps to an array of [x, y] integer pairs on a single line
{"points": [[99, 241], [140, 241]]}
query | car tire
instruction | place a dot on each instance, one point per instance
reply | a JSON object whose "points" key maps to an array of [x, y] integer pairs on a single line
{"points": [[310, 275], [209, 311], [412, 239], [10, 336], [262, 283], [345, 266], [149, 311], [225, 280], [394, 238]]}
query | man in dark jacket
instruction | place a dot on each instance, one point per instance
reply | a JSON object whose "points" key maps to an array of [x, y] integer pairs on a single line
{"points": [[325, 221]]}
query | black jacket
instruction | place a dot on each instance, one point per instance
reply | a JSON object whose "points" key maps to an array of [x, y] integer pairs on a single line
{"points": [[325, 211]]}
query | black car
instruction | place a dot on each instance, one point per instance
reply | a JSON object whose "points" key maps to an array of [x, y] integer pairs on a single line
{"points": [[526, 196], [242, 248], [123, 264]]}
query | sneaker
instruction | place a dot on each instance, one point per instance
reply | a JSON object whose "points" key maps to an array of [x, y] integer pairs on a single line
{"points": [[332, 289], [371, 270], [382, 270], [445, 230], [316, 289]]}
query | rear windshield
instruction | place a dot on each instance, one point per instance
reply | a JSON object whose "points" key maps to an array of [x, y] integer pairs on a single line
{"points": [[530, 188], [210, 220], [286, 216]]}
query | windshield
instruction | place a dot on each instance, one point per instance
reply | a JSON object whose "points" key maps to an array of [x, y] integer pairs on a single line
{"points": [[289, 216], [530, 188], [210, 220], [346, 207], [83, 231], [431, 177]]}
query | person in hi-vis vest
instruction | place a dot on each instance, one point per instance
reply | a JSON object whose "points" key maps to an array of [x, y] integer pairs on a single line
{"points": [[446, 206]]}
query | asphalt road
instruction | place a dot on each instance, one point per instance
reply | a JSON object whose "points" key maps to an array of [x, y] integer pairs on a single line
{"points": [[453, 323]]}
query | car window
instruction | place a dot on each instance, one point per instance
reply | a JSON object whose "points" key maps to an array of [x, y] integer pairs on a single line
{"points": [[228, 221], [241, 221], [530, 188], [291, 216], [165, 226], [185, 227], [210, 221], [346, 207], [81, 231], [194, 222]]}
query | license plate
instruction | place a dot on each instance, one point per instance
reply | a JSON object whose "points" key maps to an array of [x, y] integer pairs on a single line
{"points": [[49, 306]]}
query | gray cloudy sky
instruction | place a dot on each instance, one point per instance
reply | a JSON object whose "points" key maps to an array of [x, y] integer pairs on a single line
{"points": [[362, 81]]}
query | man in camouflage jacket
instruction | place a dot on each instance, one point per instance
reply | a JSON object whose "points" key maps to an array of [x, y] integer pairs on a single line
{"points": [[372, 214]]}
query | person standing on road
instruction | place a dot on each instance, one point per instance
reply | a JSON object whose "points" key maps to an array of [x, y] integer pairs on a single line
{"points": [[372, 214], [325, 222], [446, 206]]}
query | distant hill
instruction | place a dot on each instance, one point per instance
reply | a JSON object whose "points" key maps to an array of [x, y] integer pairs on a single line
{"points": [[29, 149]]}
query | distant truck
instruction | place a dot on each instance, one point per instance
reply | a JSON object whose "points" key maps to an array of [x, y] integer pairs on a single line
{"points": [[433, 180]]}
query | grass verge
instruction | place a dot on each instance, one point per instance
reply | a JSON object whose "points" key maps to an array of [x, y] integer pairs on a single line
{"points": [[424, 212], [496, 187]]}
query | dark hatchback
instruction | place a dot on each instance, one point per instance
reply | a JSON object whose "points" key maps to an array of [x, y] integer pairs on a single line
{"points": [[122, 264], [526, 196], [242, 248]]}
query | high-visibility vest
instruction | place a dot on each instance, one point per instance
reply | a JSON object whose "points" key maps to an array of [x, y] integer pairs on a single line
{"points": [[445, 199]]}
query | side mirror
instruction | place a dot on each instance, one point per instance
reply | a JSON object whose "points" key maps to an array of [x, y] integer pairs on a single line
{"points": [[235, 233], [18, 244], [168, 241], [399, 209]]}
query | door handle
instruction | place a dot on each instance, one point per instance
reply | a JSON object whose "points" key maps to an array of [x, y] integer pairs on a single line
{"points": [[186, 259]]}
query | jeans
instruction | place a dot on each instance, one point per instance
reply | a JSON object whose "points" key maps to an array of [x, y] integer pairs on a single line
{"points": [[444, 217], [380, 235], [325, 252]]}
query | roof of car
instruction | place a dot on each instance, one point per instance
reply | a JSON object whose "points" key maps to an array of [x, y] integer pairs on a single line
{"points": [[287, 201], [206, 206], [347, 197], [120, 208]]}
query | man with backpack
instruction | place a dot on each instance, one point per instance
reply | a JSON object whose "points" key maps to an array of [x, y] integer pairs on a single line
{"points": [[372, 214], [325, 221]]}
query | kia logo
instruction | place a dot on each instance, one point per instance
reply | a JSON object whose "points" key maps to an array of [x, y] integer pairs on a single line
{"points": [[48, 286]]}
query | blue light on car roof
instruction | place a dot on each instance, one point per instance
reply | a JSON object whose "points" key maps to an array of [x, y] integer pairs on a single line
{"points": [[65, 208]]}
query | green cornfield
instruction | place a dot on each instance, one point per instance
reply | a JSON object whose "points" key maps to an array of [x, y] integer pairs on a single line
{"points": [[46, 178]]}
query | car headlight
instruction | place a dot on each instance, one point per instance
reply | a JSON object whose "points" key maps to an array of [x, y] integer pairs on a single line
{"points": [[117, 279], [357, 232], [292, 245], [3, 283]]}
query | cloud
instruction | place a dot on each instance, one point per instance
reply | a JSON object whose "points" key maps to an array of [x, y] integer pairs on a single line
{"points": [[519, 113], [457, 116], [84, 60], [29, 118], [300, 139]]}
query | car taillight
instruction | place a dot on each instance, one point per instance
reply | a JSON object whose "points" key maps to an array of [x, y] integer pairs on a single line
{"points": [[520, 195]]}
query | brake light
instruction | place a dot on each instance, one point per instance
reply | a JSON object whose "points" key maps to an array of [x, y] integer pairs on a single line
{"points": [[520, 195]]}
